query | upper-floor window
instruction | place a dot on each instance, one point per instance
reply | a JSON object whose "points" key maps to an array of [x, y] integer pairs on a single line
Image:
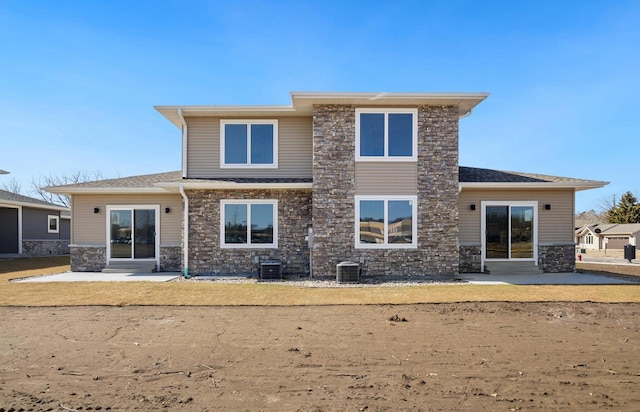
{"points": [[248, 143], [386, 134], [53, 224]]}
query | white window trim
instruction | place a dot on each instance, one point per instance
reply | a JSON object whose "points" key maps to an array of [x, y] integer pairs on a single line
{"points": [[248, 202], [248, 165], [386, 245], [386, 157], [483, 228], [57, 219], [133, 208]]}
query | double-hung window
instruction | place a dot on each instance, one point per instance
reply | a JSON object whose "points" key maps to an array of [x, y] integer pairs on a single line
{"points": [[249, 144], [53, 224], [248, 223], [386, 134], [386, 222]]}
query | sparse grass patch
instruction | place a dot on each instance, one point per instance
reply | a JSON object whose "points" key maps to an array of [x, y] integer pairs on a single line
{"points": [[627, 270], [23, 267], [272, 294]]}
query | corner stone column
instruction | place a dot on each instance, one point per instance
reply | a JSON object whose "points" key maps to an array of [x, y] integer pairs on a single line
{"points": [[333, 186], [438, 180]]}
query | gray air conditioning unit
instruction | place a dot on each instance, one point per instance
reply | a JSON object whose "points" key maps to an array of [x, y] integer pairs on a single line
{"points": [[348, 272], [270, 270]]}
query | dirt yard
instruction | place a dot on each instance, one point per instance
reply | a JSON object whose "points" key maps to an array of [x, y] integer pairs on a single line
{"points": [[463, 356]]}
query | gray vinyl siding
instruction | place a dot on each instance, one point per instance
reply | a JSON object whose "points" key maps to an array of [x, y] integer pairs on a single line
{"points": [[295, 149], [386, 178], [35, 224], [554, 226], [89, 229], [65, 228]]}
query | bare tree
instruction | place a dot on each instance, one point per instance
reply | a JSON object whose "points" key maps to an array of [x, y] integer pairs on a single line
{"points": [[53, 179], [13, 186]]}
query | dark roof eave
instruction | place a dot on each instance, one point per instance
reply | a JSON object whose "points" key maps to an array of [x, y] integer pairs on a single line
{"points": [[578, 186]]}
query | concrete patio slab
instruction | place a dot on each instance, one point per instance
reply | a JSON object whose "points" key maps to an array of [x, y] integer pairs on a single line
{"points": [[104, 277], [544, 279]]}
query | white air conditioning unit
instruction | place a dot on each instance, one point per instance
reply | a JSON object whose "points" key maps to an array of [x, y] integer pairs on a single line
{"points": [[348, 272]]}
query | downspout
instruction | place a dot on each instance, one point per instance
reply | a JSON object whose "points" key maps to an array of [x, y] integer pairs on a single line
{"points": [[184, 143], [185, 218], [185, 236]]}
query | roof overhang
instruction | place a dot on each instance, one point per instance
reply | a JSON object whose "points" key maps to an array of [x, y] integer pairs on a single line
{"points": [[303, 102], [223, 185], [13, 204], [465, 102], [174, 187], [104, 190], [577, 186]]}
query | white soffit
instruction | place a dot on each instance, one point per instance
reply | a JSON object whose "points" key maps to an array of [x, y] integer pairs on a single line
{"points": [[303, 104]]}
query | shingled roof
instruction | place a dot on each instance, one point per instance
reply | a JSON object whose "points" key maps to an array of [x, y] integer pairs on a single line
{"points": [[477, 177], [16, 199], [160, 182]]}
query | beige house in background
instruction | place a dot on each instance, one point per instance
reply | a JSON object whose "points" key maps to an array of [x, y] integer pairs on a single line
{"points": [[609, 236], [371, 178]]}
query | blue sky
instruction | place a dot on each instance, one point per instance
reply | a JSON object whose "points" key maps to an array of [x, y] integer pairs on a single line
{"points": [[78, 79]]}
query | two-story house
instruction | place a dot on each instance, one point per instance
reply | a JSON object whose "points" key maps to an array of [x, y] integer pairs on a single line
{"points": [[365, 177]]}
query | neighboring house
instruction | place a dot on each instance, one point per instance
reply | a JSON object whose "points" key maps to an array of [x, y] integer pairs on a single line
{"points": [[609, 236], [33, 227], [366, 177]]}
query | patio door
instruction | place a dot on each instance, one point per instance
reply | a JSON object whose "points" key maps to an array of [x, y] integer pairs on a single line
{"points": [[509, 231], [132, 232]]}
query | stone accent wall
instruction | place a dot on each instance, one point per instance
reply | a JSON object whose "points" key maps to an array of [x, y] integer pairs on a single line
{"points": [[334, 191], [205, 254], [45, 247], [88, 258], [170, 258], [470, 258], [557, 258], [333, 187], [438, 188]]}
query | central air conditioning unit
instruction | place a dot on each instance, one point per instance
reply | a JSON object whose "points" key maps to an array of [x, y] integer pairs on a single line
{"points": [[348, 272], [270, 270]]}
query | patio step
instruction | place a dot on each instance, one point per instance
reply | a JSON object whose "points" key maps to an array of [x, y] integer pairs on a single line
{"points": [[512, 268], [130, 267]]}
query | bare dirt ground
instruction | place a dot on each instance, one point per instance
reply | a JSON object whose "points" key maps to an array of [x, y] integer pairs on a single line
{"points": [[463, 356]]}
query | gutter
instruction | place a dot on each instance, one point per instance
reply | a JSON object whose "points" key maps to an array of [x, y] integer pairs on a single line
{"points": [[185, 237], [184, 143]]}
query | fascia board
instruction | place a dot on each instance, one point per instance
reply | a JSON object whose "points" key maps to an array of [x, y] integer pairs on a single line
{"points": [[233, 185], [105, 190], [8, 203]]}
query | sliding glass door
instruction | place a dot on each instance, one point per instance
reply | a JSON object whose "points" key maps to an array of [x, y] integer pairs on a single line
{"points": [[509, 231], [132, 232]]}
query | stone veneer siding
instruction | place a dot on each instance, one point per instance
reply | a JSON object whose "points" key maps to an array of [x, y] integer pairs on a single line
{"points": [[88, 258], [470, 258], [94, 258], [45, 247], [557, 258], [334, 191], [170, 258], [205, 254]]}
